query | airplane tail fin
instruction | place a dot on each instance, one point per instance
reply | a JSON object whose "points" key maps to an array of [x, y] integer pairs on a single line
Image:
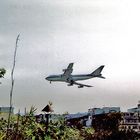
{"points": [[97, 72]]}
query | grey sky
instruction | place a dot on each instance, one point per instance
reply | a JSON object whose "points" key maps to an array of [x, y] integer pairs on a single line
{"points": [[54, 33]]}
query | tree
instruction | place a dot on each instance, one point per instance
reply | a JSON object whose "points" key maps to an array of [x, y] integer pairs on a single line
{"points": [[12, 83], [2, 73]]}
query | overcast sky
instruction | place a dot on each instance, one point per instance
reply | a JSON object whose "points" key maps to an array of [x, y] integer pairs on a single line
{"points": [[54, 33]]}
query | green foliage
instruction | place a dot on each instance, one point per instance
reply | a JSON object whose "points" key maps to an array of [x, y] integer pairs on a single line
{"points": [[72, 134], [2, 72], [26, 128], [87, 133], [59, 131]]}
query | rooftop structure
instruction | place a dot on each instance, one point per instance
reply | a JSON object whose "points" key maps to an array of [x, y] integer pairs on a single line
{"points": [[104, 110], [75, 116], [135, 110]]}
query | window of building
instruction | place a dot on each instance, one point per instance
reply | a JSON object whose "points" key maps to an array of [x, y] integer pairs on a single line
{"points": [[134, 127]]}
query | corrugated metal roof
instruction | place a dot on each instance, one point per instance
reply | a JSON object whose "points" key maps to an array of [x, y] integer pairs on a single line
{"points": [[77, 115]]}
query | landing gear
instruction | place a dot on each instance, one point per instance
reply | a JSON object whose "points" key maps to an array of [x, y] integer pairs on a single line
{"points": [[50, 82], [71, 82]]}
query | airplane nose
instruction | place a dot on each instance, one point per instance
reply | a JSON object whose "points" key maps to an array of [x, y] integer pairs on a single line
{"points": [[46, 78]]}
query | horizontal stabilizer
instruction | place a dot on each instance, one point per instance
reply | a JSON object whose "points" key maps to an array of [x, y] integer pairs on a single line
{"points": [[101, 77]]}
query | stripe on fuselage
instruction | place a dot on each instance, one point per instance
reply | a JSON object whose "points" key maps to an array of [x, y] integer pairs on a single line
{"points": [[80, 77]]}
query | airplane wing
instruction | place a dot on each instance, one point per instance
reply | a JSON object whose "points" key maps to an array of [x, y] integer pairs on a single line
{"points": [[68, 71], [81, 85]]}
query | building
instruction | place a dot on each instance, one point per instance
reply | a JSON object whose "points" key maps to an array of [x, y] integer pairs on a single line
{"points": [[131, 119], [78, 120], [6, 110], [135, 110], [87, 117], [75, 116], [104, 110], [42, 118]]}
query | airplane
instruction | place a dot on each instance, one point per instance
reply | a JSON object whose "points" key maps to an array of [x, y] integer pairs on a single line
{"points": [[71, 79]]}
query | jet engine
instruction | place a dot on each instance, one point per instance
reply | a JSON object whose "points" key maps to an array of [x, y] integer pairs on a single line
{"points": [[80, 86], [70, 84]]}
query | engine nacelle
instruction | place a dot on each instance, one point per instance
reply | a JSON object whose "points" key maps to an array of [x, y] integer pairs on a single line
{"points": [[70, 84], [80, 86]]}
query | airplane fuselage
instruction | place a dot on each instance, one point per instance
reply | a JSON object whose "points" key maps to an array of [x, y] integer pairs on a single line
{"points": [[71, 77]]}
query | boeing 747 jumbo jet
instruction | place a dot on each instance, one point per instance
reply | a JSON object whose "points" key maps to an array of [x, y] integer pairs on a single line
{"points": [[71, 79]]}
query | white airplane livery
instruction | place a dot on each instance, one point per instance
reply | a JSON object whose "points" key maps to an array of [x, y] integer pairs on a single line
{"points": [[71, 79]]}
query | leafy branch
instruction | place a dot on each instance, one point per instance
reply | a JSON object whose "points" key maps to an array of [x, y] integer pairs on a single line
{"points": [[2, 72]]}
